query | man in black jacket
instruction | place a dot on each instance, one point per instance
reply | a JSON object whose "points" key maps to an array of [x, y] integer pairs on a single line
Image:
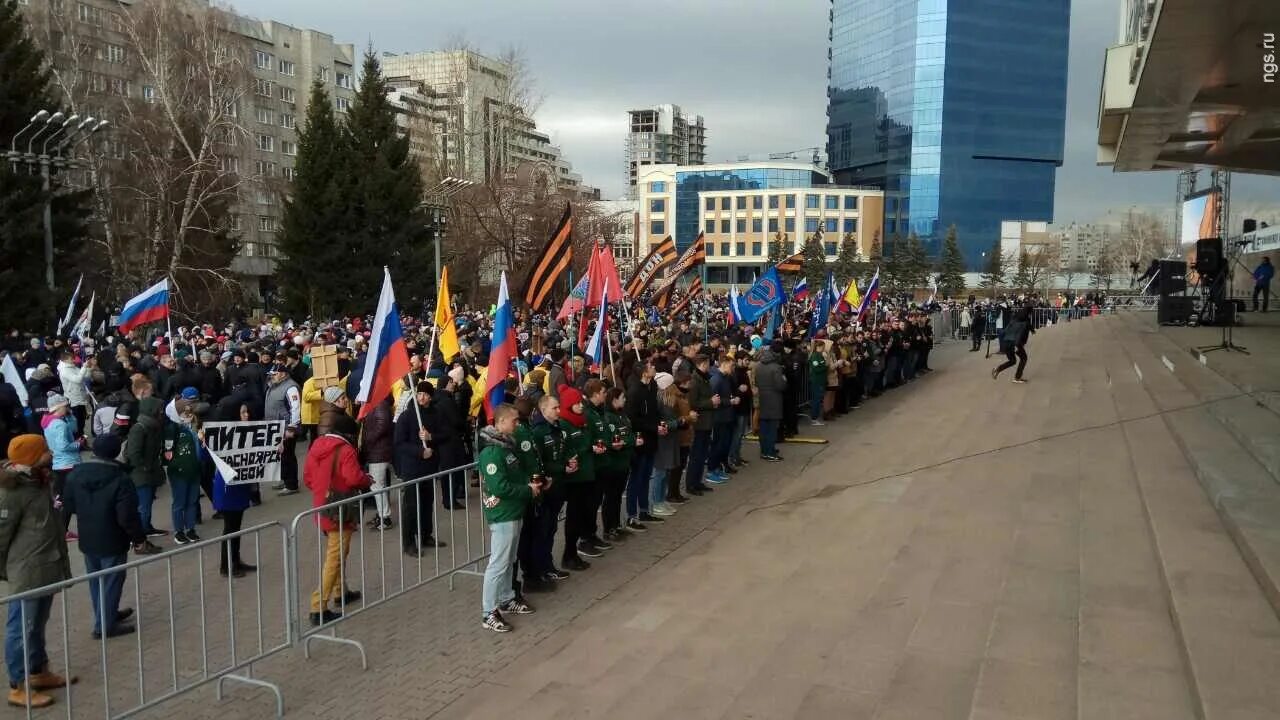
{"points": [[793, 370], [416, 457], [642, 409], [102, 495]]}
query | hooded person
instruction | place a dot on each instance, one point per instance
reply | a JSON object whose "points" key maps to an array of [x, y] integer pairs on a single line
{"points": [[771, 389], [581, 500], [143, 455], [33, 554], [100, 494]]}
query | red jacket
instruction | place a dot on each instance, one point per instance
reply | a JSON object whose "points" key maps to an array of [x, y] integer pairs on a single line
{"points": [[332, 464]]}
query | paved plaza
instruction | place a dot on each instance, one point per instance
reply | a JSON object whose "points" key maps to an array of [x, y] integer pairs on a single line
{"points": [[961, 548]]}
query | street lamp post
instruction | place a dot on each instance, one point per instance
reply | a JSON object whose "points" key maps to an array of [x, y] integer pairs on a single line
{"points": [[65, 135], [437, 203]]}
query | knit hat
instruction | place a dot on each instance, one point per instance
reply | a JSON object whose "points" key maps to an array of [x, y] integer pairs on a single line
{"points": [[535, 377], [106, 446], [332, 394], [190, 393], [570, 396], [27, 449], [56, 400], [664, 380]]}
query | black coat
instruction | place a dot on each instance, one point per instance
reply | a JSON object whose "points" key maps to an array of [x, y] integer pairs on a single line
{"points": [[642, 409], [409, 462], [101, 493], [211, 386]]}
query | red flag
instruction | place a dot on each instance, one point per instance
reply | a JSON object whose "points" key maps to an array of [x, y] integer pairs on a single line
{"points": [[602, 272]]}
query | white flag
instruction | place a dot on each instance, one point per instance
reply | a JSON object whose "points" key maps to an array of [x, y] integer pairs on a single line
{"points": [[71, 306], [11, 375], [83, 326], [227, 472]]}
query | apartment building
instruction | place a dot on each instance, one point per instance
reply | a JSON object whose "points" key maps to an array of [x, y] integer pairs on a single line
{"points": [[663, 135]]}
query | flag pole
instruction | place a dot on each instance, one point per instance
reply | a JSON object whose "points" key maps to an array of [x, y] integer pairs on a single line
{"points": [[168, 318], [613, 370]]}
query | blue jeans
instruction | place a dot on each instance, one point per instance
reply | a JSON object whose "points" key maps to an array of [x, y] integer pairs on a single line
{"points": [[657, 487], [816, 392], [37, 616], [146, 497], [740, 431], [186, 494], [768, 438], [697, 459], [112, 587], [721, 441], [638, 484], [504, 540]]}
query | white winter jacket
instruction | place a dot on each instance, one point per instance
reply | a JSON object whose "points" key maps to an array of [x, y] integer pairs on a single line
{"points": [[73, 379]]}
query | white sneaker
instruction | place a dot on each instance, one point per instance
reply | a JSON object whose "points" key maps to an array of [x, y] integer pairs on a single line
{"points": [[662, 510]]}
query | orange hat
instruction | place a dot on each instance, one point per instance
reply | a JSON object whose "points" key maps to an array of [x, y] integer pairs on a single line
{"points": [[27, 449]]}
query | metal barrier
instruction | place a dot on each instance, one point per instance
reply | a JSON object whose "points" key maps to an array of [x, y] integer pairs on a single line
{"points": [[1133, 303], [380, 579], [217, 631]]}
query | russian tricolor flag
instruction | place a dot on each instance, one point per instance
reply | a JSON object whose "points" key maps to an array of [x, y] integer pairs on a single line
{"points": [[149, 306], [388, 360], [801, 290], [502, 350], [595, 348], [873, 294]]}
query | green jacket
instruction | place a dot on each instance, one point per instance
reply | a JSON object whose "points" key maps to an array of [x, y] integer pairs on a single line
{"points": [[33, 544], [552, 446], [620, 427], [504, 487], [817, 369], [187, 453], [526, 449], [143, 451], [577, 441], [598, 430], [700, 401]]}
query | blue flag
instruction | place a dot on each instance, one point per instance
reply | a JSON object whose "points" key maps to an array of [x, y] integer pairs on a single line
{"points": [[822, 308], [764, 295]]}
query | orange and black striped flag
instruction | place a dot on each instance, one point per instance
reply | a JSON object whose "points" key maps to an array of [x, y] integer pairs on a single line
{"points": [[792, 264], [695, 289], [695, 255], [551, 264], [660, 258]]}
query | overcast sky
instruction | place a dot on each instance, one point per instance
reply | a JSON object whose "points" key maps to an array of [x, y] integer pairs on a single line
{"points": [[755, 69]]}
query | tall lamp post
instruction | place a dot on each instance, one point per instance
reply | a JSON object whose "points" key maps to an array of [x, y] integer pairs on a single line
{"points": [[64, 134], [436, 203]]}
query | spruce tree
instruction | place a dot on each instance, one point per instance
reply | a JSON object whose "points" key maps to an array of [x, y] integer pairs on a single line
{"points": [[1022, 276], [951, 267], [779, 248], [312, 235], [875, 254], [993, 275], [847, 262], [814, 266], [915, 264], [385, 216], [891, 264], [25, 301]]}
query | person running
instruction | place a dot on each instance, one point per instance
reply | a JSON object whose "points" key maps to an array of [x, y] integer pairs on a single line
{"points": [[1014, 345]]}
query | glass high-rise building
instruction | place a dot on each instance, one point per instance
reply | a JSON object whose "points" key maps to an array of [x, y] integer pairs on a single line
{"points": [[955, 108]]}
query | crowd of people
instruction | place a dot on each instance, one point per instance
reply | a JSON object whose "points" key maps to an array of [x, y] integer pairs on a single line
{"points": [[93, 427]]}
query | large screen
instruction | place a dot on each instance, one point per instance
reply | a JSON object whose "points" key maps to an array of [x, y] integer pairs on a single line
{"points": [[1200, 217]]}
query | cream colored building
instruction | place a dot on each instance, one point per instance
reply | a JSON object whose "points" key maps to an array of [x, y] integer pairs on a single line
{"points": [[741, 207]]}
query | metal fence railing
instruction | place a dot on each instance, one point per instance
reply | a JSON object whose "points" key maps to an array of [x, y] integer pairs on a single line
{"points": [[427, 543], [185, 633]]}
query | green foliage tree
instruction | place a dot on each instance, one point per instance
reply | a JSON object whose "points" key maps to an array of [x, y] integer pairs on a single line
{"points": [[848, 261], [914, 265], [891, 264], [993, 274], [815, 262], [386, 221], [779, 248], [312, 231], [951, 266], [1022, 276], [25, 301]]}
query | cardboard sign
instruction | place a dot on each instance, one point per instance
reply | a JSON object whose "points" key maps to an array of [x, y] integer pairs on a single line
{"points": [[246, 453], [324, 365]]}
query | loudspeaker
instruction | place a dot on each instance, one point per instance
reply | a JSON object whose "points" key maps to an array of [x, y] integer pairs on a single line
{"points": [[1175, 310], [1209, 257], [1172, 278], [1250, 225], [1218, 313]]}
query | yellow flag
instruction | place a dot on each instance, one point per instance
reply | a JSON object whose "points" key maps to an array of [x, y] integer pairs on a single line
{"points": [[851, 295], [448, 331]]}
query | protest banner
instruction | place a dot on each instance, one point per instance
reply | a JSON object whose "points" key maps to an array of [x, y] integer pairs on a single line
{"points": [[249, 450]]}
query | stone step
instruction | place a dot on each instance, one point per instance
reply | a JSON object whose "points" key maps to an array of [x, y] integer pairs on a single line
{"points": [[1254, 426], [1228, 632]]}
